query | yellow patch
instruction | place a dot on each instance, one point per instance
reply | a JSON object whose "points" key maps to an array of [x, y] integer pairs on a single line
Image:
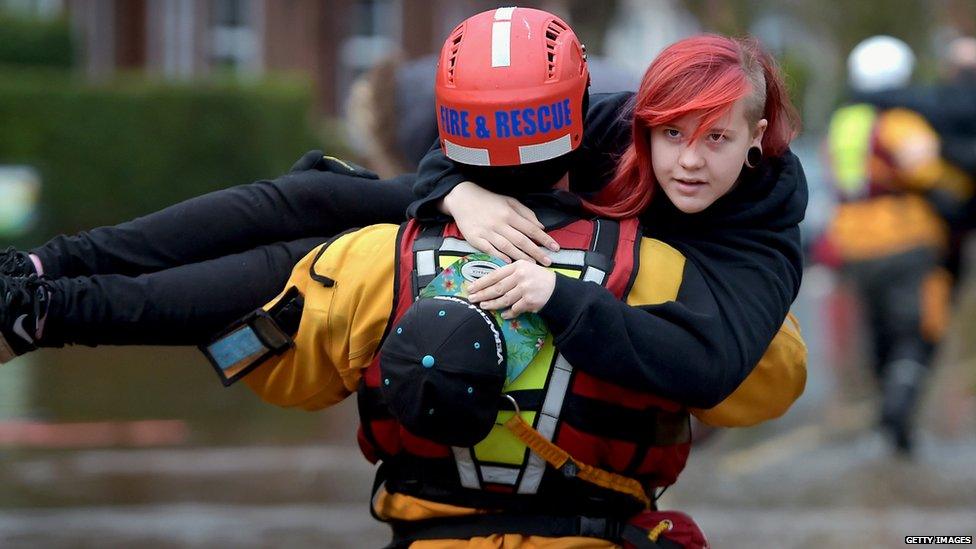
{"points": [[501, 446], [659, 274]]}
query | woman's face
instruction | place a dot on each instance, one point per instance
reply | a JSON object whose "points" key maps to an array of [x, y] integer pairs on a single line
{"points": [[696, 174]]}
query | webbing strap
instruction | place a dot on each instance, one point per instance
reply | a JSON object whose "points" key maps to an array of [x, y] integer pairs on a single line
{"points": [[425, 248], [406, 533], [644, 539], [562, 461]]}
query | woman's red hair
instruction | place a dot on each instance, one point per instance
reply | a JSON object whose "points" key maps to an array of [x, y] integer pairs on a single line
{"points": [[703, 75]]}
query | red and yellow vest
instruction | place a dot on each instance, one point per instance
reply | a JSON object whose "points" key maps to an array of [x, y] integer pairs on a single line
{"points": [[598, 423]]}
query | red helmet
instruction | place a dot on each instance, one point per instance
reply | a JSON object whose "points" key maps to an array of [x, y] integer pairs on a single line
{"points": [[509, 90]]}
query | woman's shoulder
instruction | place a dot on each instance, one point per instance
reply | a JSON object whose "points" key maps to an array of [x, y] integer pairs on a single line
{"points": [[783, 189], [608, 117], [606, 135]]}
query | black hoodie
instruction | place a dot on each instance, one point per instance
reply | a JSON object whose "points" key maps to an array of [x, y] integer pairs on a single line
{"points": [[743, 271]]}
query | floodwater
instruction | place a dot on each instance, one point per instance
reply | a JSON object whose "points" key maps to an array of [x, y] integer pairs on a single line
{"points": [[122, 447]]}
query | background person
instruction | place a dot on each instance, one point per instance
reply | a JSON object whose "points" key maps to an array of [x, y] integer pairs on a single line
{"points": [[888, 236]]}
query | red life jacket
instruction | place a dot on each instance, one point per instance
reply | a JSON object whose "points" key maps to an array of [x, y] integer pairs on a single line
{"points": [[599, 423]]}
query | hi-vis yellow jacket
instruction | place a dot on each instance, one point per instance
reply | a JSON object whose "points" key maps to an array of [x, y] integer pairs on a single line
{"points": [[343, 324]]}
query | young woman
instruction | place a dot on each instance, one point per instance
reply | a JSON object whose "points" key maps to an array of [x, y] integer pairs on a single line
{"points": [[180, 275]]}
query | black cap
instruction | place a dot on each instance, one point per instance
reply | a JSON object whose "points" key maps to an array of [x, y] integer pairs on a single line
{"points": [[442, 369]]}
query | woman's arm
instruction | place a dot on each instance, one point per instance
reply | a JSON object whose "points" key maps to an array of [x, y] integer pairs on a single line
{"points": [[676, 335], [695, 349]]}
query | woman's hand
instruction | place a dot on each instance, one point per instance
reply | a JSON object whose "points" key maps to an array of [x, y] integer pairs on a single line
{"points": [[522, 287], [498, 225]]}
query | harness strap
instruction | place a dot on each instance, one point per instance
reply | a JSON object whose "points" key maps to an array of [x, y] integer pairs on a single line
{"points": [[550, 526], [562, 461], [649, 539], [425, 248]]}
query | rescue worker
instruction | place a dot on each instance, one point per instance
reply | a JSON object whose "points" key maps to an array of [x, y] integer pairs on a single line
{"points": [[887, 235], [950, 108], [385, 311]]}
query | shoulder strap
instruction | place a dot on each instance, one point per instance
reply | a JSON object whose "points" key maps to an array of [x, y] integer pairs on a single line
{"points": [[425, 248]]}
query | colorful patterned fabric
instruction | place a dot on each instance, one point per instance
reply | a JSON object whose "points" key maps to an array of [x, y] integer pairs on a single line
{"points": [[524, 334]]}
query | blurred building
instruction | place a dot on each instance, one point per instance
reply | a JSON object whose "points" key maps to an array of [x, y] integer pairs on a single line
{"points": [[333, 41]]}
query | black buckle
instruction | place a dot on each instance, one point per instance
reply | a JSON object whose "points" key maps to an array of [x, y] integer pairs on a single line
{"points": [[602, 528], [569, 469]]}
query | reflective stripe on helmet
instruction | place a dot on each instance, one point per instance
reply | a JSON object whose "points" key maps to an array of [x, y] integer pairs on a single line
{"points": [[501, 44], [545, 151], [466, 155], [501, 38], [504, 14]]}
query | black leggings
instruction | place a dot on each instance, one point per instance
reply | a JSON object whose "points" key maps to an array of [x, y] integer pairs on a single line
{"points": [[891, 292], [177, 276]]}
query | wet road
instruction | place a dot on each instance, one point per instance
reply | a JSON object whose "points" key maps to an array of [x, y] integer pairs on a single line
{"points": [[122, 448]]}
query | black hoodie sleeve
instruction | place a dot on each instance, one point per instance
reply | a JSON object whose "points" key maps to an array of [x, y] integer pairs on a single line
{"points": [[742, 272], [437, 175]]}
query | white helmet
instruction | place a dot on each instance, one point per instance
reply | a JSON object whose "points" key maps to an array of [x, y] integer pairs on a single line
{"points": [[880, 63]]}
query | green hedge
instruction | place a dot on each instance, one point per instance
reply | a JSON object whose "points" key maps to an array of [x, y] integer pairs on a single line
{"points": [[111, 152], [33, 42]]}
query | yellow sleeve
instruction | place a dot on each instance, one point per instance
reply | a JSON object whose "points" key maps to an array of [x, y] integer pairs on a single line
{"points": [[342, 323], [771, 388]]}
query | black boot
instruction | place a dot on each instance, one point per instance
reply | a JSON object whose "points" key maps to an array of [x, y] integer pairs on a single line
{"points": [[902, 388], [24, 303], [16, 263]]}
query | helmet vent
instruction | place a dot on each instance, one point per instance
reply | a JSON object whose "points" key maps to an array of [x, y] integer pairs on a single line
{"points": [[455, 40], [553, 30]]}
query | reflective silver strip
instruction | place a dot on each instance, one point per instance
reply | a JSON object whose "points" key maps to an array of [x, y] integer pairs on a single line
{"points": [[575, 258], [533, 475], [456, 245], [563, 257], [537, 466], [562, 372], [465, 467], [504, 14], [425, 263], [466, 155], [499, 475], [558, 385], [545, 151], [501, 44], [593, 274]]}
